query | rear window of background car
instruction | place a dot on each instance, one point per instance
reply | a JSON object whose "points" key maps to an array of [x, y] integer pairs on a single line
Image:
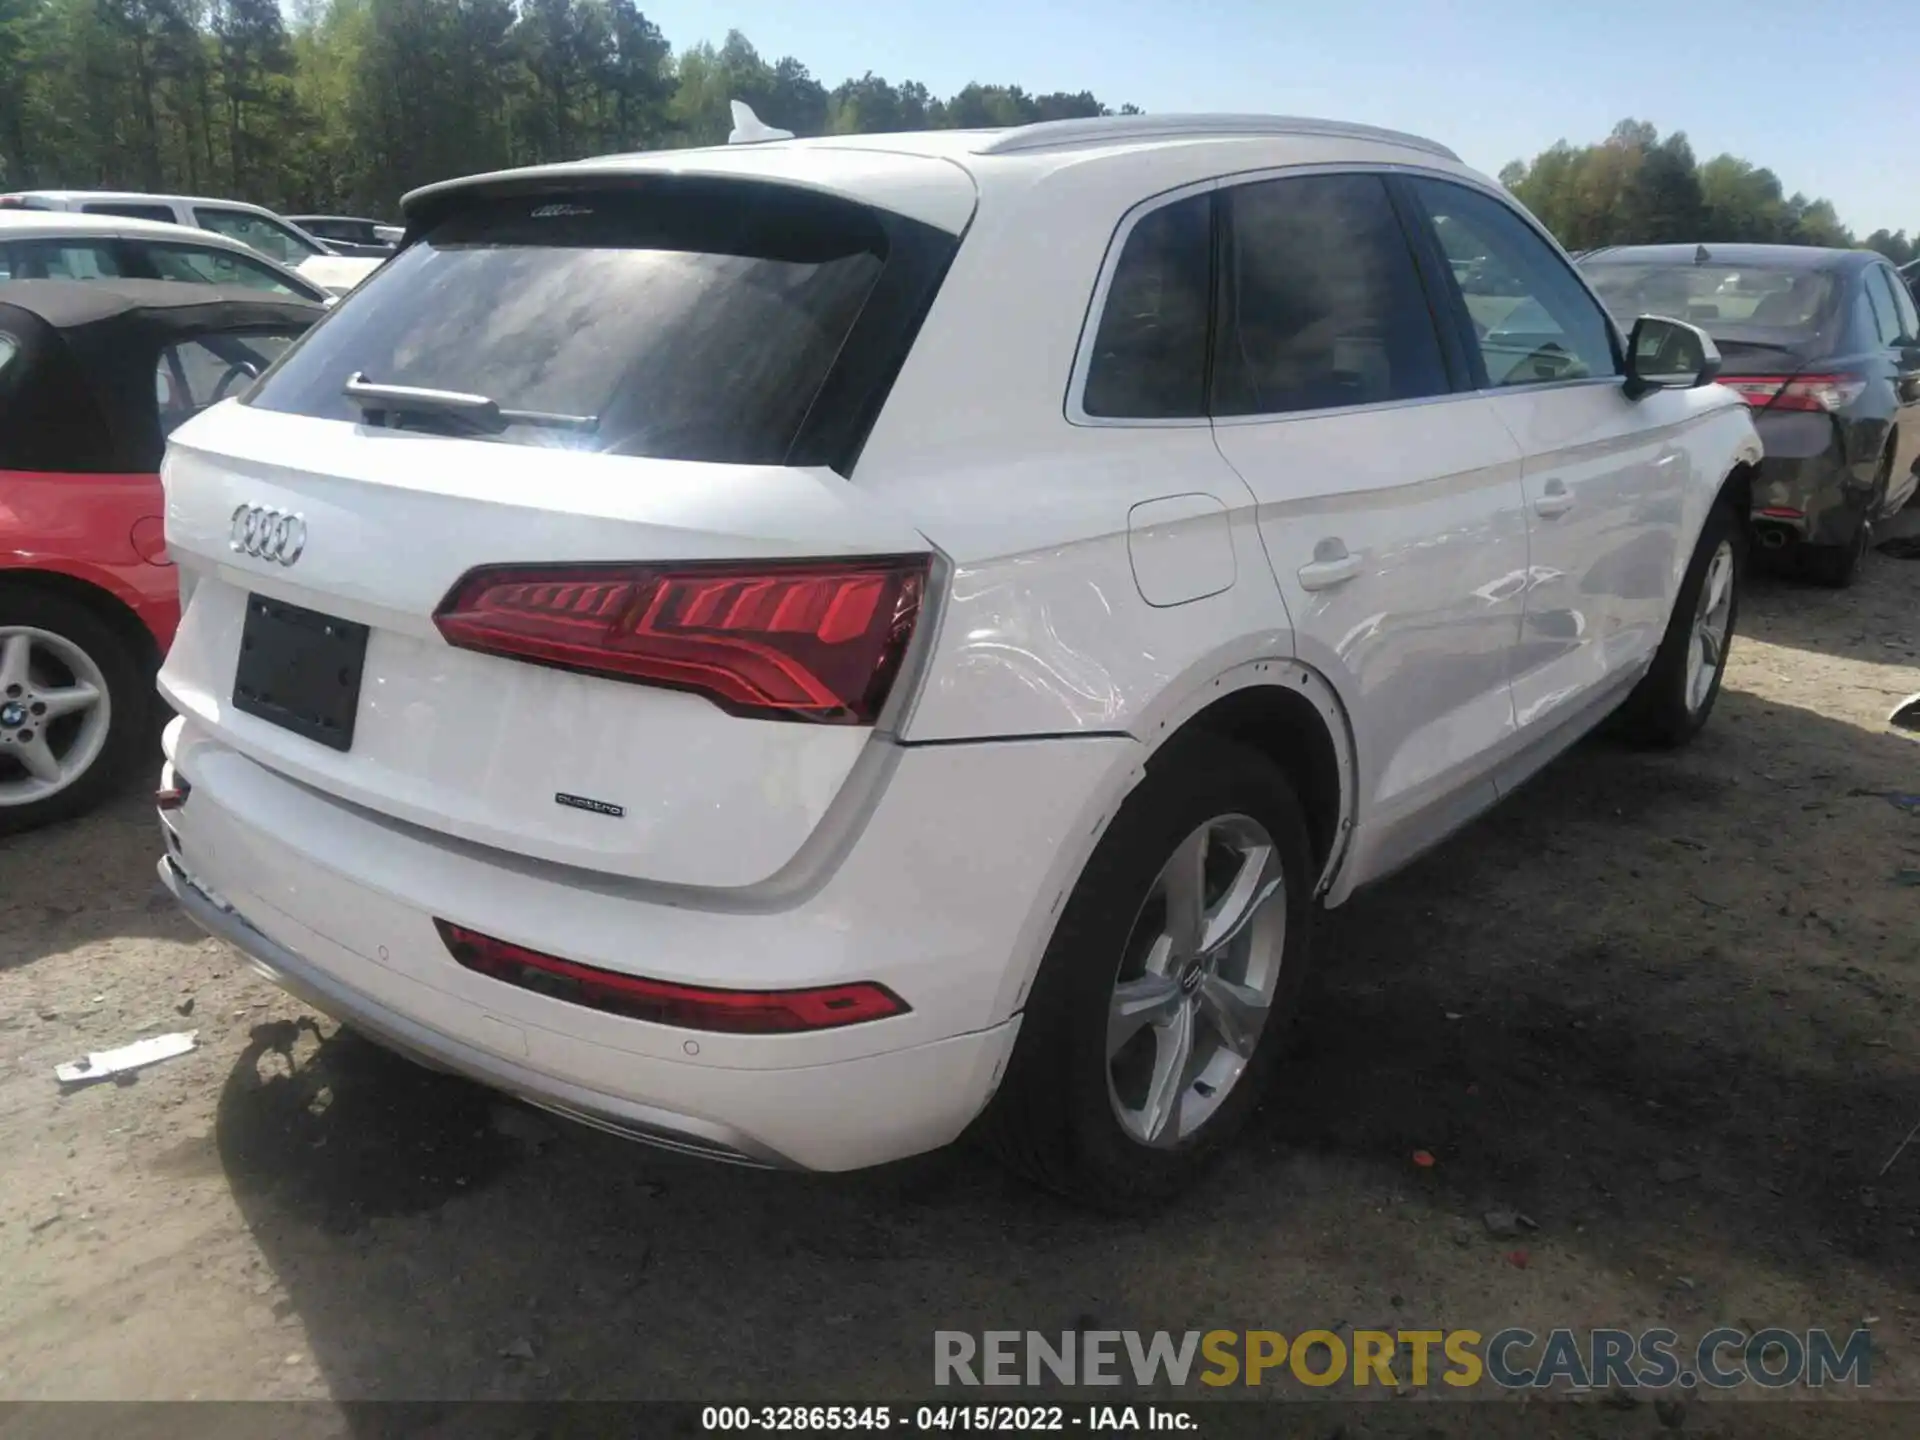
{"points": [[698, 324], [1717, 298]]}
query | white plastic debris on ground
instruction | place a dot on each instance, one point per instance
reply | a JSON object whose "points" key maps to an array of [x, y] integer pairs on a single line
{"points": [[104, 1064]]}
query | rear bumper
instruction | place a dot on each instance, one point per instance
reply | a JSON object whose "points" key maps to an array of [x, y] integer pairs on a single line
{"points": [[312, 984], [1806, 489], [946, 897]]}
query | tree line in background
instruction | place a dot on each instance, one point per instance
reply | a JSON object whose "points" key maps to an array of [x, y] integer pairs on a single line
{"points": [[344, 105], [1636, 188]]}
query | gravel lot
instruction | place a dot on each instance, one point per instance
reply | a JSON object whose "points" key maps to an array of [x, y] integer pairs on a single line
{"points": [[1663, 1006]]}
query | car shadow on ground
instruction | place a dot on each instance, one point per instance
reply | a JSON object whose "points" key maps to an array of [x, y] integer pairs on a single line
{"points": [[1562, 1006]]}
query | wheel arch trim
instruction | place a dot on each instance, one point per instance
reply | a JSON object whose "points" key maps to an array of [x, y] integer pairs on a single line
{"points": [[1170, 720]]}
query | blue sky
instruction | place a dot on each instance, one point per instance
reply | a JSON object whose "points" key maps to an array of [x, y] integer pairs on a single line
{"points": [[1826, 95]]}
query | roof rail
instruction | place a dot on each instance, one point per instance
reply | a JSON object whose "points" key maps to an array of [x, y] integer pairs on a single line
{"points": [[1120, 129]]}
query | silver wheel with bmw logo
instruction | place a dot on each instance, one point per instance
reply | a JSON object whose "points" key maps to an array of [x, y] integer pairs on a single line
{"points": [[74, 706]]}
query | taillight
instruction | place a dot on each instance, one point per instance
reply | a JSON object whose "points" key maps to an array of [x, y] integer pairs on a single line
{"points": [[1797, 392], [689, 1007], [817, 640]]}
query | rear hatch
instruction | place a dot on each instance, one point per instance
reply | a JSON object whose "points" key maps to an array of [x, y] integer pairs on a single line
{"points": [[545, 540]]}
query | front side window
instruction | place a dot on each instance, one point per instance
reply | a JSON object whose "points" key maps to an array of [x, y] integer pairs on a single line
{"points": [[210, 265], [686, 320], [1532, 319], [1321, 304], [1149, 358], [194, 374], [259, 232]]}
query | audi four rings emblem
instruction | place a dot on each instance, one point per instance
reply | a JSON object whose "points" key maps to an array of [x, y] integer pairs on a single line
{"points": [[268, 534]]}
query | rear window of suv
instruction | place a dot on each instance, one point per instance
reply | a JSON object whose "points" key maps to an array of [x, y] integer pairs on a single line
{"points": [[693, 320]]}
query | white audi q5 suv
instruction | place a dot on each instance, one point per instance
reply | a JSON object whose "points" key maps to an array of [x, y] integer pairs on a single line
{"points": [[795, 650]]}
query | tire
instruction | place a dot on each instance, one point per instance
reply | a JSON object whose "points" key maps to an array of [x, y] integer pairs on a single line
{"points": [[70, 645], [1058, 1116], [1669, 705]]}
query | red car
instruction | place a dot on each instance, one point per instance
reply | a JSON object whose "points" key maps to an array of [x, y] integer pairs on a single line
{"points": [[93, 377]]}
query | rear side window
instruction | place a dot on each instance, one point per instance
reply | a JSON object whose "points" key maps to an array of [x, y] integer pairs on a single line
{"points": [[1903, 302], [1321, 304], [129, 210], [63, 260], [1886, 316], [1149, 359], [691, 320]]}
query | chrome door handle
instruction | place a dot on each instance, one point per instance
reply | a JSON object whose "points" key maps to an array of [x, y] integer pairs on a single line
{"points": [[1554, 499], [1332, 564]]}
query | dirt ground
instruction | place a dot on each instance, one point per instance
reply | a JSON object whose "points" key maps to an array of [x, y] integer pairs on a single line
{"points": [[1664, 1006]]}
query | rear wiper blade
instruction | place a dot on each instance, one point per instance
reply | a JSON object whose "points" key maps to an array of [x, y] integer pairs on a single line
{"points": [[481, 412]]}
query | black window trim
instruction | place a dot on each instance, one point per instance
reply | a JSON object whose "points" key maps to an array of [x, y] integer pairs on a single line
{"points": [[1456, 302], [1424, 244]]}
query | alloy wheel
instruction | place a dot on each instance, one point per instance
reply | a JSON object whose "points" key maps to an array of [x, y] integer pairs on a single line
{"points": [[54, 714], [1196, 980], [1712, 621]]}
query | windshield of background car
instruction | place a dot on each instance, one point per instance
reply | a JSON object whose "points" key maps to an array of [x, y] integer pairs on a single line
{"points": [[697, 322], [1758, 303]]}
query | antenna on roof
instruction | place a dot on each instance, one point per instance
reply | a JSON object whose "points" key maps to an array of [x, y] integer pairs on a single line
{"points": [[747, 128], [1701, 255]]}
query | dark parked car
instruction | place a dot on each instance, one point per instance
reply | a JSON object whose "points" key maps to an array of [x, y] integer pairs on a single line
{"points": [[1825, 345], [94, 375], [351, 235]]}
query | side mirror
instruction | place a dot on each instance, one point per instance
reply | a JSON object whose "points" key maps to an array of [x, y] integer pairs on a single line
{"points": [[1665, 354]]}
